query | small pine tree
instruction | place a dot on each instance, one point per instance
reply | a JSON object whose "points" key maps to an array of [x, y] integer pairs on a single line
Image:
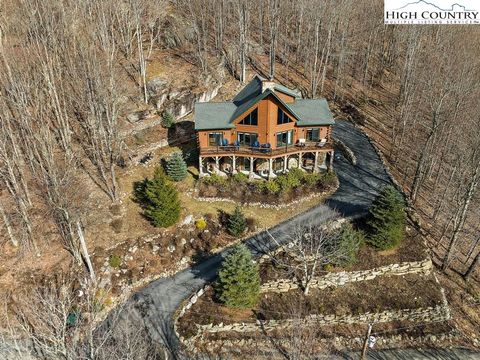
{"points": [[349, 242], [167, 119], [237, 222], [162, 205], [386, 223], [239, 280], [177, 167]]}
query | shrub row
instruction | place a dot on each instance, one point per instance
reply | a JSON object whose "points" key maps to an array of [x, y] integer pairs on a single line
{"points": [[295, 178]]}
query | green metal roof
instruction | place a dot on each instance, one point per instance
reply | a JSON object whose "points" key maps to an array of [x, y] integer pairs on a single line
{"points": [[220, 115], [312, 112], [214, 115]]}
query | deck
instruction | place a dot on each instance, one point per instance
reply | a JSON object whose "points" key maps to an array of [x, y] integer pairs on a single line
{"points": [[261, 152]]}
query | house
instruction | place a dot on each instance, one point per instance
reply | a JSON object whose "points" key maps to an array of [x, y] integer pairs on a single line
{"points": [[265, 130]]}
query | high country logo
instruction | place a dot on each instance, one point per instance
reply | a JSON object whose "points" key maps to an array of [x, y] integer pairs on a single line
{"points": [[432, 12]]}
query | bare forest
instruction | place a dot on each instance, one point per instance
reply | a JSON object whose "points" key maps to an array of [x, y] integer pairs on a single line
{"points": [[71, 71]]}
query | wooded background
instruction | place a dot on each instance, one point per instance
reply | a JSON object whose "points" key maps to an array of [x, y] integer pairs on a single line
{"points": [[66, 66]]}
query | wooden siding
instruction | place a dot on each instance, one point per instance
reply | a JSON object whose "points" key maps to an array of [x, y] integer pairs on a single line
{"points": [[267, 127]]}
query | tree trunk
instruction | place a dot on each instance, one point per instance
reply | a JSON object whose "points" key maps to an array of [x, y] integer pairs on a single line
{"points": [[8, 226], [463, 215], [472, 267]]}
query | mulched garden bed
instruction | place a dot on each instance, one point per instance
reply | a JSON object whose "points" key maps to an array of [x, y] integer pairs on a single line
{"points": [[384, 293], [410, 250], [257, 191]]}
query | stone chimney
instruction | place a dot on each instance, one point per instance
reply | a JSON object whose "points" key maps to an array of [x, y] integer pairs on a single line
{"points": [[268, 84]]}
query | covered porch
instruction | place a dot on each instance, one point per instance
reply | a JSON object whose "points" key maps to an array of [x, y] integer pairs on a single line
{"points": [[261, 167]]}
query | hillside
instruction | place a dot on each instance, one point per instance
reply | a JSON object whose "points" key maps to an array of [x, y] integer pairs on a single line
{"points": [[85, 87]]}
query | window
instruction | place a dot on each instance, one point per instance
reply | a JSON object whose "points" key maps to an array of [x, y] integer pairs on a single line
{"points": [[215, 138], [246, 139], [251, 119], [283, 118], [285, 138], [313, 134]]}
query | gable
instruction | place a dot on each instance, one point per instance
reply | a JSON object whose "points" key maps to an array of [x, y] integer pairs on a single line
{"points": [[226, 115]]}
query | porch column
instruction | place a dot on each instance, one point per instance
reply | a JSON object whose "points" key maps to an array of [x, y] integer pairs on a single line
{"points": [[200, 166], [234, 164], [285, 163], [330, 163], [251, 168], [300, 155], [270, 167], [217, 164], [315, 164]]}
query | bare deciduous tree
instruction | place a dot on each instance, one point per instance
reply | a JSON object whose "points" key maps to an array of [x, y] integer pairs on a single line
{"points": [[308, 249]]}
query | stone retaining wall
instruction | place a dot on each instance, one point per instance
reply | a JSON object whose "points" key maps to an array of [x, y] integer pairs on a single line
{"points": [[340, 341], [263, 205], [349, 154], [187, 304], [424, 315], [344, 277]]}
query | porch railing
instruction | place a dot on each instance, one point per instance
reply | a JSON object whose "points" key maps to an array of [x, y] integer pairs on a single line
{"points": [[251, 150]]}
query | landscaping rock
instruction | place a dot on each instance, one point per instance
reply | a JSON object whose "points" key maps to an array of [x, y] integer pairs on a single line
{"points": [[188, 220], [171, 248]]}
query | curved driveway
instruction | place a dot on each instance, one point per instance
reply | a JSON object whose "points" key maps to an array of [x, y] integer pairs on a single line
{"points": [[153, 306]]}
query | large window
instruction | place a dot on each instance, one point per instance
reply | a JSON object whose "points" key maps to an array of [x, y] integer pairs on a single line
{"points": [[313, 134], [251, 119], [285, 138], [282, 118], [215, 138], [246, 139]]}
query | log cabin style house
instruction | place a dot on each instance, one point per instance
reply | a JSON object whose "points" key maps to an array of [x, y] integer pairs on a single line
{"points": [[265, 130]]}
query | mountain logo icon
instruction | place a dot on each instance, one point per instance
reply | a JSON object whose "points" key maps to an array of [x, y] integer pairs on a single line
{"points": [[423, 2]]}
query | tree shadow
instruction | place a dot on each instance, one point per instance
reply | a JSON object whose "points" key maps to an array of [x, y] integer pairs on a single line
{"points": [[180, 132], [139, 192]]}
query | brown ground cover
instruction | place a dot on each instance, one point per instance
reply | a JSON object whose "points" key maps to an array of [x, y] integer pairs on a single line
{"points": [[380, 294], [410, 250]]}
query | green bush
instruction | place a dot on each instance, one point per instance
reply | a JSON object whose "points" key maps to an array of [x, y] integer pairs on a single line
{"points": [[161, 203], [238, 283], [272, 187], [214, 179], [237, 223], [177, 167], [328, 267], [240, 177], [312, 179], [329, 179], [114, 261], [386, 220], [201, 224], [350, 241], [167, 119], [260, 186], [296, 173], [291, 180]]}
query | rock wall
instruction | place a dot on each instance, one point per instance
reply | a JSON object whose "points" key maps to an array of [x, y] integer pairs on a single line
{"points": [[340, 341], [179, 103], [424, 315], [344, 277], [187, 304], [349, 154], [263, 205]]}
